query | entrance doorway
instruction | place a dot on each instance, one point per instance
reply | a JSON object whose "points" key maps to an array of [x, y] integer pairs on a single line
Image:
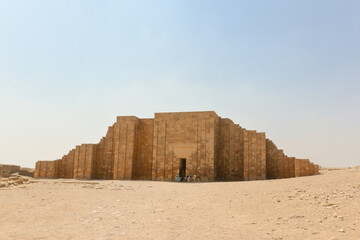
{"points": [[182, 168]]}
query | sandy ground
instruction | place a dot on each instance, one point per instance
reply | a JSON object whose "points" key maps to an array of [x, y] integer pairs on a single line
{"points": [[326, 206]]}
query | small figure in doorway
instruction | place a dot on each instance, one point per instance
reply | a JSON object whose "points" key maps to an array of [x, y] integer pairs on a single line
{"points": [[194, 177], [177, 178]]}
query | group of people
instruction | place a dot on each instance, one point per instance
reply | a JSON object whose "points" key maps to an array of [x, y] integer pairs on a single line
{"points": [[188, 178]]}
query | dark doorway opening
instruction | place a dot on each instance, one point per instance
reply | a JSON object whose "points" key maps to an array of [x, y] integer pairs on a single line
{"points": [[182, 168]]}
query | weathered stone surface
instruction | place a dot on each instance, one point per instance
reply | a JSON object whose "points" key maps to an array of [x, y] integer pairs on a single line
{"points": [[10, 168], [5, 173], [189, 143], [14, 180], [26, 172]]}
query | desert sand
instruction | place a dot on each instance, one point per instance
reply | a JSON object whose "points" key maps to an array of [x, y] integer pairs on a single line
{"points": [[325, 206]]}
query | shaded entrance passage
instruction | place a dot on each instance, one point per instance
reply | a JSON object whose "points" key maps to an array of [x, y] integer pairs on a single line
{"points": [[182, 168]]}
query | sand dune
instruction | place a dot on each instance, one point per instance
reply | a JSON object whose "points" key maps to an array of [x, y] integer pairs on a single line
{"points": [[326, 206]]}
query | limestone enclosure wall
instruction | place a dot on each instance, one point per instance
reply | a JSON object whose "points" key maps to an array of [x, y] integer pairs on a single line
{"points": [[241, 153], [144, 150], [189, 136], [230, 151], [190, 143], [10, 168], [254, 155], [278, 165]]}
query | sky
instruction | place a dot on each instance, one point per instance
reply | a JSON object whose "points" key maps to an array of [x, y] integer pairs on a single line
{"points": [[287, 68]]}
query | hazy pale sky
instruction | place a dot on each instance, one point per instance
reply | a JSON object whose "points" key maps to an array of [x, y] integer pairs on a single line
{"points": [[287, 68]]}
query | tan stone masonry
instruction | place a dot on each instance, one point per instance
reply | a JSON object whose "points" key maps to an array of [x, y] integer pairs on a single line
{"points": [[200, 143]]}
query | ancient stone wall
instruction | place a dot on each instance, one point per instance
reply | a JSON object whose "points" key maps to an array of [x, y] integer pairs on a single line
{"points": [[278, 165], [10, 168], [230, 155], [271, 163], [124, 147], [45, 169], [241, 153], [189, 136], [105, 157], [291, 167], [316, 167], [144, 150], [305, 166], [297, 167], [213, 148], [254, 155], [115, 153], [77, 164], [84, 161]]}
